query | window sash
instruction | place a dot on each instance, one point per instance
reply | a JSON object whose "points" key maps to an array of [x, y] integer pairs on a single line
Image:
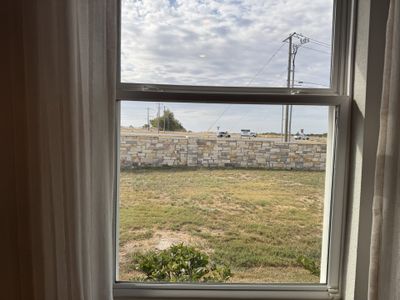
{"points": [[133, 291], [232, 98], [335, 230], [340, 58]]}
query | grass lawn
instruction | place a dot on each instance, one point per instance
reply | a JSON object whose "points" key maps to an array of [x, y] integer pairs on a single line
{"points": [[258, 222]]}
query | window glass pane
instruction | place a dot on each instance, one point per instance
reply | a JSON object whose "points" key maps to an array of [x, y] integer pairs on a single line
{"points": [[212, 193], [226, 42]]}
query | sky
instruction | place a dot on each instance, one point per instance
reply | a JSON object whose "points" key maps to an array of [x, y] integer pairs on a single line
{"points": [[225, 43], [207, 117]]}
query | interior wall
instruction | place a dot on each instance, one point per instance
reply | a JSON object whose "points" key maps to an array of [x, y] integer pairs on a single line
{"points": [[16, 257], [15, 260], [368, 72]]}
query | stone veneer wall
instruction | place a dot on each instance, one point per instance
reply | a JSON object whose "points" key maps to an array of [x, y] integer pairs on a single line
{"points": [[157, 151]]}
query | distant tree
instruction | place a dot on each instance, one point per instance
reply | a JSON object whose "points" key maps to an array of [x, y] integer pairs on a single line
{"points": [[171, 124]]}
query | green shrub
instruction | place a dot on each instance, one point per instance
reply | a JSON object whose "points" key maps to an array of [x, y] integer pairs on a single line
{"points": [[180, 263], [309, 264]]}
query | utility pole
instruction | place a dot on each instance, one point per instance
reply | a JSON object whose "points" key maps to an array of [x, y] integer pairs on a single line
{"points": [[158, 118], [286, 126], [164, 118], [148, 118], [286, 108]]}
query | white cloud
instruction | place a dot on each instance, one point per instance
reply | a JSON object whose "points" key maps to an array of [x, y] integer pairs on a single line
{"points": [[224, 42], [164, 41]]}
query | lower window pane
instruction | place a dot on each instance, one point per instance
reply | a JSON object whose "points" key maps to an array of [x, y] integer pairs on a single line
{"points": [[219, 193]]}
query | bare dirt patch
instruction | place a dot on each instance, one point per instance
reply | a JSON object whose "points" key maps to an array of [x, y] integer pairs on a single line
{"points": [[161, 239]]}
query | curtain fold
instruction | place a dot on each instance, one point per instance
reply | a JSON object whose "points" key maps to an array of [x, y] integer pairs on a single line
{"points": [[384, 279], [69, 52]]}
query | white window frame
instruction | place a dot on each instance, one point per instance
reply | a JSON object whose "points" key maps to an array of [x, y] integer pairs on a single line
{"points": [[338, 96]]}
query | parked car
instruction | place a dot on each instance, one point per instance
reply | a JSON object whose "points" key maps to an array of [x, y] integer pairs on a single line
{"points": [[222, 134], [301, 137]]}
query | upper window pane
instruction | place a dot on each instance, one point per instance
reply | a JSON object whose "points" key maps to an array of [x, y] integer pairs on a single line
{"points": [[227, 42]]}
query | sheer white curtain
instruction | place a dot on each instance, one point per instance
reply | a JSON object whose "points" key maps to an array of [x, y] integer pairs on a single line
{"points": [[69, 58], [385, 249]]}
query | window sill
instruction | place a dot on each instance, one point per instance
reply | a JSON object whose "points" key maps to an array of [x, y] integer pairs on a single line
{"points": [[135, 291]]}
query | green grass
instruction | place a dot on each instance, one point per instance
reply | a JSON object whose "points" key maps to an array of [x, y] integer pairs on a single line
{"points": [[256, 221]]}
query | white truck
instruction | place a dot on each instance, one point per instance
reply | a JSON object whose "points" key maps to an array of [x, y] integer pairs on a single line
{"points": [[247, 133]]}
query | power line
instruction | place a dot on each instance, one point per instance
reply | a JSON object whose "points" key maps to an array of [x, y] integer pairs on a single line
{"points": [[322, 45], [320, 42], [252, 79], [315, 41], [302, 42], [266, 64], [325, 52], [220, 116]]}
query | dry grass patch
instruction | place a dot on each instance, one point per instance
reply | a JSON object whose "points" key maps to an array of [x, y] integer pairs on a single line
{"points": [[256, 221]]}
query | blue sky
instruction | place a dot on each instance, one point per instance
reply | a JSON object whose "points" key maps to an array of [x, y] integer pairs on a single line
{"points": [[226, 43]]}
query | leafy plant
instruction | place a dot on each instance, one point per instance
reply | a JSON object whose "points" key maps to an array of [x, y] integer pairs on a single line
{"points": [[309, 264], [180, 263]]}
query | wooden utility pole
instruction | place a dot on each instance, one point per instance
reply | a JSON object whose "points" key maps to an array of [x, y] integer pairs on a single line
{"points": [[286, 126], [164, 118], [158, 118], [148, 118], [286, 108]]}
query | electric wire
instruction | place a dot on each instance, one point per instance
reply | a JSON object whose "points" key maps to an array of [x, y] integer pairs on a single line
{"points": [[320, 43], [317, 50], [265, 65], [315, 41], [251, 80], [220, 116]]}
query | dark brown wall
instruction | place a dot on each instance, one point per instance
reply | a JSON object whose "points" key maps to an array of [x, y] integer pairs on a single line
{"points": [[16, 276]]}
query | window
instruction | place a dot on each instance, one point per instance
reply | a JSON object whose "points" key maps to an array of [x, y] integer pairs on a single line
{"points": [[199, 103]]}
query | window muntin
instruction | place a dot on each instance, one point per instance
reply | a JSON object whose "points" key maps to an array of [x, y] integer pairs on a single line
{"points": [[226, 43]]}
